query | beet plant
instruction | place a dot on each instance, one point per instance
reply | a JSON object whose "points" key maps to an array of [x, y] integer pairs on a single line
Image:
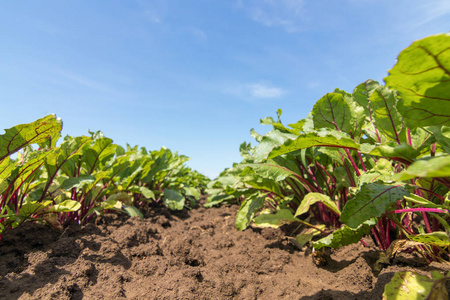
{"points": [[85, 176], [375, 161]]}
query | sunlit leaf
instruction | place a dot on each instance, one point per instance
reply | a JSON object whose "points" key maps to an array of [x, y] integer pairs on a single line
{"points": [[173, 199], [22, 135], [345, 235], [422, 78], [371, 201], [438, 166]]}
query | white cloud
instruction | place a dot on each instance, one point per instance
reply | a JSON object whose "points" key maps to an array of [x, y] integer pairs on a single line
{"points": [[262, 91], [275, 13], [254, 90]]}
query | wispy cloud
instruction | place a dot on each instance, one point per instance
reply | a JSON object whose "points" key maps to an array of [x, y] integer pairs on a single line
{"points": [[83, 81], [419, 19], [275, 13], [258, 90], [254, 91], [432, 11]]}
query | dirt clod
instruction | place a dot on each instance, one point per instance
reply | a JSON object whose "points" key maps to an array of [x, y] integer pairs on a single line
{"points": [[195, 254]]}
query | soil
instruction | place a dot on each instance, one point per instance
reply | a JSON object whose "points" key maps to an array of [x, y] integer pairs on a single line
{"points": [[196, 254]]}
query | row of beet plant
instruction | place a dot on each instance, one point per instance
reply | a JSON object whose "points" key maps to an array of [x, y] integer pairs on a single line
{"points": [[375, 161], [85, 176]]}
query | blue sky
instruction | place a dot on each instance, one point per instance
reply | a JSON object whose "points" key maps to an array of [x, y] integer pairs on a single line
{"points": [[195, 76]]}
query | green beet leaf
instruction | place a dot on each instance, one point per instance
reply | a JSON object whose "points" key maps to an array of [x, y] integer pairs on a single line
{"points": [[345, 235], [147, 193], [132, 211], [394, 150], [312, 198], [247, 210], [442, 135], [32, 207], [173, 199], [324, 137], [274, 172], [388, 121], [77, 182], [24, 173], [437, 238], [281, 217], [372, 200], [362, 92], [428, 167], [70, 148], [36, 132], [218, 199], [98, 154], [422, 78], [332, 111], [66, 206], [269, 141], [410, 285]]}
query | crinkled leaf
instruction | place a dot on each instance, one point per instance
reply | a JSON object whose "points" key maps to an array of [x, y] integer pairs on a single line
{"points": [[388, 120], [70, 148], [121, 196], [6, 167], [66, 206], [32, 207], [394, 150], [342, 177], [247, 211], [23, 173], [338, 155], [345, 235], [173, 199], [332, 111], [273, 172], [371, 201], [312, 198], [358, 116], [98, 154], [442, 135], [77, 182], [281, 217], [22, 135], [218, 199], [302, 239], [362, 92], [256, 135], [437, 238], [298, 127], [422, 78], [147, 193], [132, 211], [324, 137], [438, 166], [191, 191], [381, 171], [269, 141], [411, 285]]}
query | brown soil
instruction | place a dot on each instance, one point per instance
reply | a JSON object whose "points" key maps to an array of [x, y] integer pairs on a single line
{"points": [[195, 254]]}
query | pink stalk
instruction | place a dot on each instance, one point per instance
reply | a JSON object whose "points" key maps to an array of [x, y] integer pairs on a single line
{"points": [[409, 136], [352, 162], [377, 238], [423, 210], [362, 162]]}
